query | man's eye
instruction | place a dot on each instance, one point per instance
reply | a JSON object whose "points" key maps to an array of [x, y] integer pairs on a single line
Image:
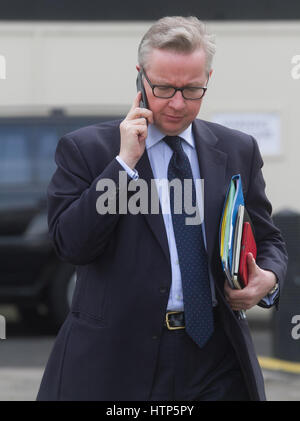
{"points": [[165, 88], [191, 89]]}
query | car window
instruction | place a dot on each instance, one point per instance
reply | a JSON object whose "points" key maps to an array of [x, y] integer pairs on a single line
{"points": [[27, 148], [44, 164], [15, 155]]}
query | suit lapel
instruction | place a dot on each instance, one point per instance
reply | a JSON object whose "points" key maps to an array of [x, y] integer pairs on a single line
{"points": [[212, 163], [155, 221]]}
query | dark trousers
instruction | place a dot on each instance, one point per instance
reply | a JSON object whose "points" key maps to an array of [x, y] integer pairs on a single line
{"points": [[186, 372]]}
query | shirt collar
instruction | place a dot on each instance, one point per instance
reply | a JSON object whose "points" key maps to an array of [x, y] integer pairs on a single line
{"points": [[155, 136]]}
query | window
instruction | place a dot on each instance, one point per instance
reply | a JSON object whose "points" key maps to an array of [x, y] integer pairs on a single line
{"points": [[27, 147], [46, 139], [15, 155]]}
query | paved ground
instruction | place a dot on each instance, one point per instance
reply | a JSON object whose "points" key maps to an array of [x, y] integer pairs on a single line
{"points": [[24, 353]]}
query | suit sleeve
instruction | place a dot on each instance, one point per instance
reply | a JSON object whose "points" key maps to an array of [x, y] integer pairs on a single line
{"points": [[77, 230], [271, 250]]}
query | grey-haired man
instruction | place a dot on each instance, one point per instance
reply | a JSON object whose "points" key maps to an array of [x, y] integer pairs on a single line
{"points": [[152, 318]]}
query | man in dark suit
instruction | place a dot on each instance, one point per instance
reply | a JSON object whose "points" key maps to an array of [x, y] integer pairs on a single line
{"points": [[152, 317]]}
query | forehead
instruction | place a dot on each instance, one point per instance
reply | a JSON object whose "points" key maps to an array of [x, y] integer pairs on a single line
{"points": [[174, 67]]}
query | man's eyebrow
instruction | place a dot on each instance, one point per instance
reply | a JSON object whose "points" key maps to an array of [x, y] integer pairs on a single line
{"points": [[162, 82], [188, 85]]}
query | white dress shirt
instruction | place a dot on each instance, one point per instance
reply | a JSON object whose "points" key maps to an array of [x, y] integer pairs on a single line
{"points": [[159, 154]]}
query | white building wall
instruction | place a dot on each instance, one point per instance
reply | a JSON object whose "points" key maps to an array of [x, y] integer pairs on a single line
{"points": [[90, 68]]}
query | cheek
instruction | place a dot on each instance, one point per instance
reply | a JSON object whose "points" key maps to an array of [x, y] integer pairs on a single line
{"points": [[156, 106], [194, 108]]}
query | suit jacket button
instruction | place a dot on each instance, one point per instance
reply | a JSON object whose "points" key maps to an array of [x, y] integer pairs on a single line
{"points": [[163, 290], [154, 337]]}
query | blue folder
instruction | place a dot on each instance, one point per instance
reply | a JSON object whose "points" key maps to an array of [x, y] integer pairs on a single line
{"points": [[234, 198]]}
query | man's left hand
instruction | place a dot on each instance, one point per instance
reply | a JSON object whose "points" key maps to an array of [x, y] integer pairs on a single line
{"points": [[260, 283]]}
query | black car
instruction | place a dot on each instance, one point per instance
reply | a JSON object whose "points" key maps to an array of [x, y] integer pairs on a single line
{"points": [[32, 277]]}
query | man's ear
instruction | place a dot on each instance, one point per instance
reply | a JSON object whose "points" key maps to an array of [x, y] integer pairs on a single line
{"points": [[138, 67]]}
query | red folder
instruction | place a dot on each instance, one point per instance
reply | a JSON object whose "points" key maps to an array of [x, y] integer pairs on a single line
{"points": [[248, 246]]}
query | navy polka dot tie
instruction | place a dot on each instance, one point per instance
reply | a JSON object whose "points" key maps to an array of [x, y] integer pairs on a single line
{"points": [[191, 253]]}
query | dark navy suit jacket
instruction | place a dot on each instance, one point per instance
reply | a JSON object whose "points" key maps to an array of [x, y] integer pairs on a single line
{"points": [[108, 346]]}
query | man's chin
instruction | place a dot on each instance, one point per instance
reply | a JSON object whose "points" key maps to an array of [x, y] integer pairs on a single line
{"points": [[172, 129]]}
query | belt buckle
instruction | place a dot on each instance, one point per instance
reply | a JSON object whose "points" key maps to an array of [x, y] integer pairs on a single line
{"points": [[167, 321]]}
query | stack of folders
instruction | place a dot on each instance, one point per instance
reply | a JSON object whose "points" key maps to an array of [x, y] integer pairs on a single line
{"points": [[236, 236]]}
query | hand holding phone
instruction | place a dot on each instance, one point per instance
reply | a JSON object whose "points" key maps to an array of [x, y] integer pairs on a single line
{"points": [[134, 129]]}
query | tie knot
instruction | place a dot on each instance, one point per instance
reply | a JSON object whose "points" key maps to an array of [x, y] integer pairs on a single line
{"points": [[174, 142]]}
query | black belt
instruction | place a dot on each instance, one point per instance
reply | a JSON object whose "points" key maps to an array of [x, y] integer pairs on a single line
{"points": [[175, 319]]}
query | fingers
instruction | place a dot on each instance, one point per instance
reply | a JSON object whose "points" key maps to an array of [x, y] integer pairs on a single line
{"points": [[136, 101], [136, 112], [257, 287], [136, 129], [133, 131], [139, 113], [138, 122], [240, 299], [237, 299]]}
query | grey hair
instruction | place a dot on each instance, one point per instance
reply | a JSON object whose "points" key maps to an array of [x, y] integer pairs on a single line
{"points": [[179, 34]]}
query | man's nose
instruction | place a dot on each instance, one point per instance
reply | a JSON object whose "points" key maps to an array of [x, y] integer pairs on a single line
{"points": [[177, 101]]}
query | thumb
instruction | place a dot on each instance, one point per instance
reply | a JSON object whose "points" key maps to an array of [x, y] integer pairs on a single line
{"points": [[251, 263]]}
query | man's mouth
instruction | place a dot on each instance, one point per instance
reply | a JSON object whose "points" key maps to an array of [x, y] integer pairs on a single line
{"points": [[173, 118]]}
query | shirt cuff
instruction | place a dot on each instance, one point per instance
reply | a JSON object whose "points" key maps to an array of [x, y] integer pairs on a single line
{"points": [[270, 299], [131, 172]]}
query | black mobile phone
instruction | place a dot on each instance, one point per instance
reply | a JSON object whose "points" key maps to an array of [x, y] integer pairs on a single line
{"points": [[140, 87]]}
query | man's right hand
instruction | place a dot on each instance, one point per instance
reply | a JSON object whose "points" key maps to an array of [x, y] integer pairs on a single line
{"points": [[134, 132]]}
